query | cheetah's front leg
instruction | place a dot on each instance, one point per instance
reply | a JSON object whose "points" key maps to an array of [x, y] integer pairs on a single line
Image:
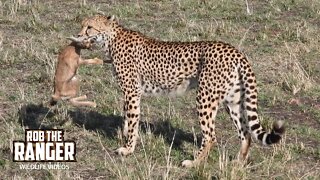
{"points": [[131, 124]]}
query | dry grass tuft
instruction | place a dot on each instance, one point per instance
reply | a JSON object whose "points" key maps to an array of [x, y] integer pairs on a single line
{"points": [[294, 76]]}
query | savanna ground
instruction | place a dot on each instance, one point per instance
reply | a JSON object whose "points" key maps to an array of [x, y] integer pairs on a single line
{"points": [[280, 37]]}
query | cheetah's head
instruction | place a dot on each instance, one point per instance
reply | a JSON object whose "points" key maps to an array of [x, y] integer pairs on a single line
{"points": [[98, 30], [97, 24]]}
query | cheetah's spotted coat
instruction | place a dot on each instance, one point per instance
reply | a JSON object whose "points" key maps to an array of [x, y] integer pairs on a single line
{"points": [[144, 65]]}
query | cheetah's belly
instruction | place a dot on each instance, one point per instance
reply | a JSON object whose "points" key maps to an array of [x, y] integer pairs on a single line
{"points": [[153, 89]]}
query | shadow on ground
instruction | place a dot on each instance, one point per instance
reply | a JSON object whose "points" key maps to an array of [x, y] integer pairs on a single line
{"points": [[171, 134], [33, 116]]}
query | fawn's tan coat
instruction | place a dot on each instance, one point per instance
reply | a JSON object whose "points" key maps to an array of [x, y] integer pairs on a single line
{"points": [[66, 81]]}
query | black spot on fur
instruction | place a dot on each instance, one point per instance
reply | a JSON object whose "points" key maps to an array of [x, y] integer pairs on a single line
{"points": [[254, 127]]}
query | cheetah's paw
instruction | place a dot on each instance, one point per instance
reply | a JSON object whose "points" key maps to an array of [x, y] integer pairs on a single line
{"points": [[123, 151], [187, 163]]}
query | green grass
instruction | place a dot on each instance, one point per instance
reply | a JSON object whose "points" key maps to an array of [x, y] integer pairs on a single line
{"points": [[280, 38]]}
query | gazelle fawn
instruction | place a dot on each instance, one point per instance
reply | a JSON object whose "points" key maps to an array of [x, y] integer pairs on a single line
{"points": [[66, 81]]}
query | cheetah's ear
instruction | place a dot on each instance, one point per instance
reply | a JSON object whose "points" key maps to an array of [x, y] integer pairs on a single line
{"points": [[111, 18]]}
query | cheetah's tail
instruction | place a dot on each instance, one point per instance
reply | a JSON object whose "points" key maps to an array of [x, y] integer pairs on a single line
{"points": [[250, 104], [272, 137]]}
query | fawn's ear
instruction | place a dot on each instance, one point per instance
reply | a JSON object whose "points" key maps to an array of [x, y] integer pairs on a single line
{"points": [[74, 39]]}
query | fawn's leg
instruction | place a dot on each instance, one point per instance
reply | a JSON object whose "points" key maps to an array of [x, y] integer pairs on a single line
{"points": [[77, 101], [70, 90], [91, 61]]}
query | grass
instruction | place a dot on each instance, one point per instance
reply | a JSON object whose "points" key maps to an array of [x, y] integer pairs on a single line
{"points": [[280, 38]]}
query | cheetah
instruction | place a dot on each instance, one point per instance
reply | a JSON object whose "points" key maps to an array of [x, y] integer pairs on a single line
{"points": [[66, 82], [144, 65]]}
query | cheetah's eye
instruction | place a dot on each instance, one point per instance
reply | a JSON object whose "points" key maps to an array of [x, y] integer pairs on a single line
{"points": [[89, 27]]}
